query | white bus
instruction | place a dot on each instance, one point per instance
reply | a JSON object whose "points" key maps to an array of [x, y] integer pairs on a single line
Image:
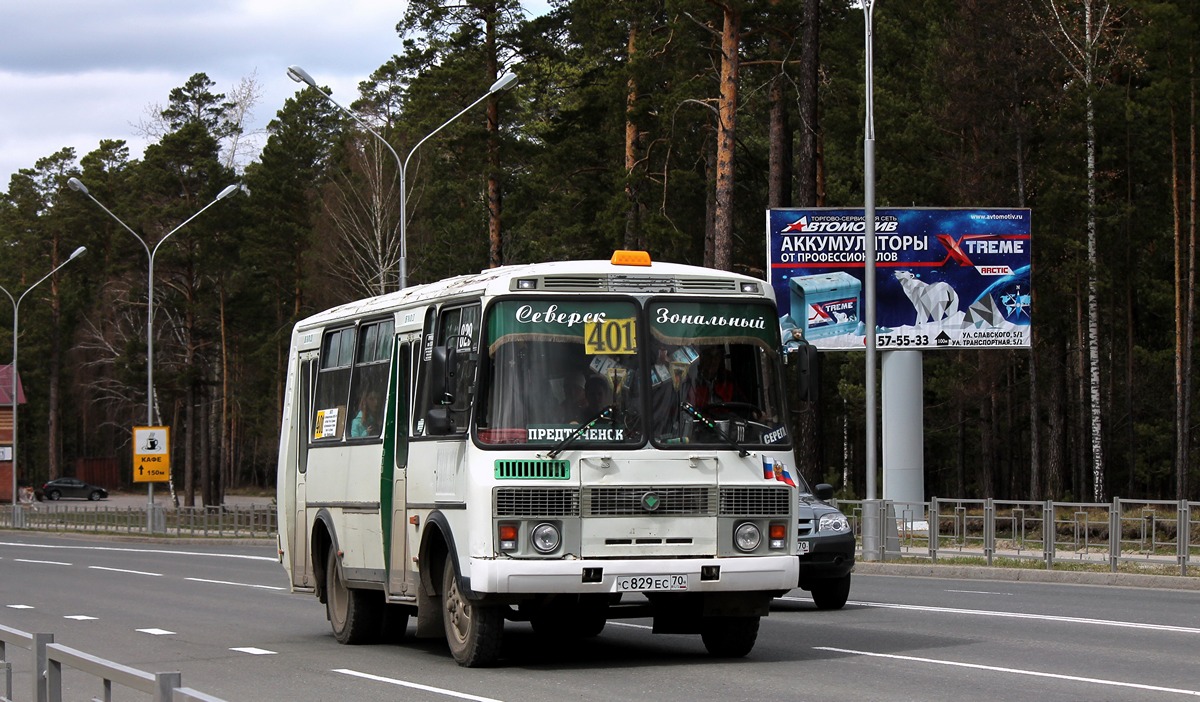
{"points": [[558, 443]]}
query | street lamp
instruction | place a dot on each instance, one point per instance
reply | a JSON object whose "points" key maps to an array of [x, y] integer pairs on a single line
{"points": [[504, 82], [77, 185], [16, 315]]}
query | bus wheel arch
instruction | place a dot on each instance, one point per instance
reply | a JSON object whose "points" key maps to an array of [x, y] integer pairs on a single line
{"points": [[322, 542]]}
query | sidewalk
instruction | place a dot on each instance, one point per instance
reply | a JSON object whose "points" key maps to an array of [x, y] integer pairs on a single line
{"points": [[1030, 575]]}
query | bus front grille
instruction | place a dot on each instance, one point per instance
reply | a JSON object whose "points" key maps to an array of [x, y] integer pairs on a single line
{"points": [[537, 502], [756, 501], [649, 501]]}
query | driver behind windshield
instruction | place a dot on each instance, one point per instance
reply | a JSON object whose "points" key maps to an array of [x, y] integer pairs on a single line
{"points": [[709, 381]]}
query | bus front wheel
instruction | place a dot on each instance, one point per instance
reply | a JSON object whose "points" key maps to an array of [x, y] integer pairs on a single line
{"points": [[473, 630], [354, 614], [729, 637]]}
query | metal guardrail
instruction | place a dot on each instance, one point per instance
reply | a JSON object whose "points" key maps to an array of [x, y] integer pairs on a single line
{"points": [[1151, 534], [46, 672], [232, 521]]}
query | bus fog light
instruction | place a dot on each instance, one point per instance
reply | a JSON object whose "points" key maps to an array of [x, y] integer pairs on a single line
{"points": [[778, 533], [747, 537], [508, 537], [546, 538]]}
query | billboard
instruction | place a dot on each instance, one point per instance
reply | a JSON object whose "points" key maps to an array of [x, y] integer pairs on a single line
{"points": [[944, 278]]}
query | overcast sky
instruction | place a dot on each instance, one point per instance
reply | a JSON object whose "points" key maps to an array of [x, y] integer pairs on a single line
{"points": [[73, 72]]}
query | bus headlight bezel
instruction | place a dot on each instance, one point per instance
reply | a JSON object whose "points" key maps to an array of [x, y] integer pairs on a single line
{"points": [[545, 538], [747, 537]]}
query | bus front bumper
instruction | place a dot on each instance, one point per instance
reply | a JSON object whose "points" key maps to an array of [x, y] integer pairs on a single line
{"points": [[757, 574]]}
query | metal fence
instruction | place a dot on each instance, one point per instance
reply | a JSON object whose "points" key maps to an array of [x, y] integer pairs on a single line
{"points": [[1153, 535], [232, 521], [48, 660]]}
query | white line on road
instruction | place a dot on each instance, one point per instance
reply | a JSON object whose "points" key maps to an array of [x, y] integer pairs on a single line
{"points": [[80, 617], [415, 686], [1014, 671], [242, 556], [19, 606], [982, 592], [156, 632], [631, 626], [27, 560], [254, 651], [1020, 615], [125, 570], [227, 582]]}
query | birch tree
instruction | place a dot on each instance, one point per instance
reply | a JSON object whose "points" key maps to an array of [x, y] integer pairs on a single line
{"points": [[1084, 33]]}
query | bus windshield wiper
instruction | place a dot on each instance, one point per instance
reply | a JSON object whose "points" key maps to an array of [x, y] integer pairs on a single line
{"points": [[569, 438], [687, 407]]}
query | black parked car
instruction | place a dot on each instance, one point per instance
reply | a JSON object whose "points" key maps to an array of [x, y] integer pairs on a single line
{"points": [[827, 547], [71, 487]]}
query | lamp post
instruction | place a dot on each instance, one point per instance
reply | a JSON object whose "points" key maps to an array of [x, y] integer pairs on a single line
{"points": [[504, 82], [77, 185], [16, 316]]}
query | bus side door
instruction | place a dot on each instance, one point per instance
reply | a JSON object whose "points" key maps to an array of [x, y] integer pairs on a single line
{"points": [[401, 573]]}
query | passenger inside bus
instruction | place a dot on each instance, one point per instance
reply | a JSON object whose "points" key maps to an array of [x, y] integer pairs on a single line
{"points": [[366, 422]]}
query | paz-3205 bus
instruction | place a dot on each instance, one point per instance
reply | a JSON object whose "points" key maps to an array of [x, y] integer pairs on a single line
{"points": [[558, 443]]}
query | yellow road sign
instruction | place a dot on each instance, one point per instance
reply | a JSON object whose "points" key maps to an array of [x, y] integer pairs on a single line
{"points": [[151, 454]]}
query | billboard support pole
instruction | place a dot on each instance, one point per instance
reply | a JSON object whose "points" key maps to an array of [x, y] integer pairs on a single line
{"points": [[870, 532]]}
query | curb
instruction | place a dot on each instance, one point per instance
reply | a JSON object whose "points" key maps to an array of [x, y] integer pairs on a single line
{"points": [[1166, 582]]}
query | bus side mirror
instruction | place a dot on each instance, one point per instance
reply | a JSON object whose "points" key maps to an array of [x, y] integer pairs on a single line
{"points": [[808, 371], [442, 363]]}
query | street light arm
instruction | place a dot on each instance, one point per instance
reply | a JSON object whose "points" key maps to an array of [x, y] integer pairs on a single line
{"points": [[77, 185], [76, 254], [229, 189], [299, 75], [504, 82]]}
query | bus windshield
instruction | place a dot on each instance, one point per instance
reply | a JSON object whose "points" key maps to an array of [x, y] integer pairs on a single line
{"points": [[683, 372]]}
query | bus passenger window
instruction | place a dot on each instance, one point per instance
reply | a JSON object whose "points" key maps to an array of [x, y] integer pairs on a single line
{"points": [[333, 385]]}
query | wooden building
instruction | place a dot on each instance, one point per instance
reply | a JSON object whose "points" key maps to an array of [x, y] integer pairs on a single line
{"points": [[6, 429]]}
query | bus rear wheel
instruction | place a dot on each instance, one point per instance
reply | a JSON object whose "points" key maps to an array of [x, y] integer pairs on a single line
{"points": [[473, 630], [355, 615], [729, 637]]}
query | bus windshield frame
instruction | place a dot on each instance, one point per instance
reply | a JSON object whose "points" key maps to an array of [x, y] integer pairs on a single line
{"points": [[674, 372]]}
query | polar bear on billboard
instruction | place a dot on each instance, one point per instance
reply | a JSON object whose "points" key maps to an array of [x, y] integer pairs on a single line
{"points": [[933, 301]]}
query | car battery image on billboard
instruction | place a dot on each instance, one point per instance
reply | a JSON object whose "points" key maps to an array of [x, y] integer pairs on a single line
{"points": [[828, 303]]}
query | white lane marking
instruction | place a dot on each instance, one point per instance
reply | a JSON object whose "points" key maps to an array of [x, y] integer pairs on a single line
{"points": [[415, 686], [1021, 615], [982, 592], [125, 570], [1014, 671], [273, 559], [631, 626], [19, 606], [79, 617], [156, 632], [29, 560], [254, 651], [228, 582]]}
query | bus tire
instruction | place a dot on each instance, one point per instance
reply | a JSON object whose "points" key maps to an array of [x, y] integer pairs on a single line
{"points": [[729, 637], [354, 615], [473, 630]]}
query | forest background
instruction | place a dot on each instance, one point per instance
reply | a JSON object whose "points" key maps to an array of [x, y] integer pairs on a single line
{"points": [[665, 125]]}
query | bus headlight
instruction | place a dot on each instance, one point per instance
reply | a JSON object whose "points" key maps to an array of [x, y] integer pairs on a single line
{"points": [[546, 538], [747, 537]]}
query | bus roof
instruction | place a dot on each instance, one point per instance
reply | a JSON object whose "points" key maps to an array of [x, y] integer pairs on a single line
{"points": [[596, 277]]}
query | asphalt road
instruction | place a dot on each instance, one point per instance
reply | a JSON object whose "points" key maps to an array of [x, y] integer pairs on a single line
{"points": [[221, 615]]}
